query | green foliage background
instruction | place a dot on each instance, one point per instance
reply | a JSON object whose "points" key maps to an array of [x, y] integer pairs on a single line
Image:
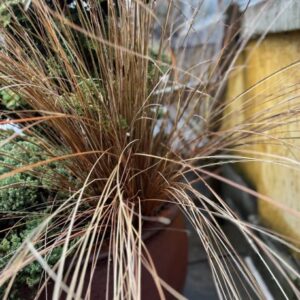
{"points": [[24, 201]]}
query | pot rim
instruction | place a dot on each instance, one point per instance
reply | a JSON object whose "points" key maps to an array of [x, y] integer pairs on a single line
{"points": [[169, 211]]}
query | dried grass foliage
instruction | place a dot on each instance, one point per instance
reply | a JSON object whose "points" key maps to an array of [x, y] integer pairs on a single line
{"points": [[97, 112]]}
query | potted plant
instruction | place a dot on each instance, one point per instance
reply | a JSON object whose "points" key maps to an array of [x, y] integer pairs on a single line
{"points": [[99, 169]]}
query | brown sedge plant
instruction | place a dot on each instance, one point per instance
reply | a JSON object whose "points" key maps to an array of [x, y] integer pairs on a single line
{"points": [[95, 109]]}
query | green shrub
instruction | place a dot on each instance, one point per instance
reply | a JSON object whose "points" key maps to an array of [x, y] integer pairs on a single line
{"points": [[5, 16], [18, 193], [10, 100], [31, 275]]}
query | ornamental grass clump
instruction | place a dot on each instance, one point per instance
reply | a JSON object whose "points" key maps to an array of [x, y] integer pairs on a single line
{"points": [[83, 72]]}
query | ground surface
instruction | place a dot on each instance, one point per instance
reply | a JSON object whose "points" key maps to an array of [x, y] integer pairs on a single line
{"points": [[199, 283]]}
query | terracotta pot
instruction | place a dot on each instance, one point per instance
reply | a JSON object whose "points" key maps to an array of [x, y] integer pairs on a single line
{"points": [[168, 247]]}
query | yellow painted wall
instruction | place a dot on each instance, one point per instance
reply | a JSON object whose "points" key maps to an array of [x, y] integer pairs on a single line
{"points": [[269, 97]]}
